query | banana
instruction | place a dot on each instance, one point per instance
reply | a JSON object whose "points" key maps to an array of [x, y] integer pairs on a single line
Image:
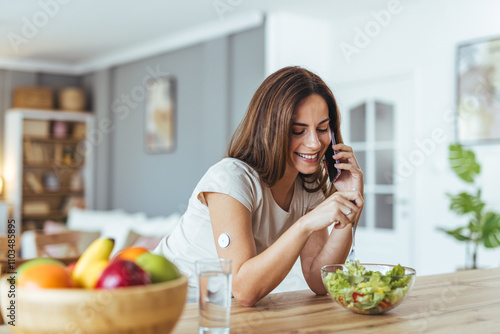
{"points": [[100, 249], [92, 273]]}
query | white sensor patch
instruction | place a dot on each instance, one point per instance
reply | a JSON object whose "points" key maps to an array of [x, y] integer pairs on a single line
{"points": [[224, 240]]}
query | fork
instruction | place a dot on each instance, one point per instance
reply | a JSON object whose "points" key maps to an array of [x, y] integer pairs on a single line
{"points": [[352, 256]]}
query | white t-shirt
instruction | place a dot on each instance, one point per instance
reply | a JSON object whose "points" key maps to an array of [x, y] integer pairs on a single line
{"points": [[193, 239]]}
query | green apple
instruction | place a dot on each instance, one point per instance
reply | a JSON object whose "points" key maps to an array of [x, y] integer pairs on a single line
{"points": [[159, 268], [35, 262]]}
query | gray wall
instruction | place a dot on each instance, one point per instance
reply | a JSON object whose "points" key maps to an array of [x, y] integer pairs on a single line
{"points": [[215, 81], [99, 86], [246, 57]]}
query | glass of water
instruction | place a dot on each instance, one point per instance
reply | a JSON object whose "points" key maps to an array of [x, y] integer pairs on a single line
{"points": [[214, 295]]}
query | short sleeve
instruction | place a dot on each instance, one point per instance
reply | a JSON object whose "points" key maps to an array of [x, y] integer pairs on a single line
{"points": [[234, 178]]}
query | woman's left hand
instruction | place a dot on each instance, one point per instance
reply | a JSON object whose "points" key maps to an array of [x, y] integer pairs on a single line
{"points": [[351, 176]]}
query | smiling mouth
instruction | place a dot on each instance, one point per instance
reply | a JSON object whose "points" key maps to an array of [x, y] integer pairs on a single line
{"points": [[308, 156]]}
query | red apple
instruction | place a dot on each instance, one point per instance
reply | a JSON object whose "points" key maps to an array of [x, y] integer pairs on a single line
{"points": [[122, 273], [70, 267]]}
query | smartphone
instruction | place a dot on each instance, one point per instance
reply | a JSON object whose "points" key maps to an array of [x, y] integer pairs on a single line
{"points": [[333, 173]]}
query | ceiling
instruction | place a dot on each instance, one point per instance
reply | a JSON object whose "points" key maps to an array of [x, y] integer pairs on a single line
{"points": [[64, 32]]}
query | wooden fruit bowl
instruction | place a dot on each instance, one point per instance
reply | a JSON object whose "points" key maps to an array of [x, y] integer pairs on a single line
{"points": [[154, 308]]}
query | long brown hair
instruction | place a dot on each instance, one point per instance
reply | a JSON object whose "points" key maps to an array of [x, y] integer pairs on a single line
{"points": [[262, 138]]}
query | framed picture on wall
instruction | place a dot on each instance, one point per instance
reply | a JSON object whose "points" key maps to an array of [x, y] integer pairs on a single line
{"points": [[160, 112], [478, 91]]}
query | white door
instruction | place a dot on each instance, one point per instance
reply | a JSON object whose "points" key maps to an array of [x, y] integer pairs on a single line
{"points": [[378, 122]]}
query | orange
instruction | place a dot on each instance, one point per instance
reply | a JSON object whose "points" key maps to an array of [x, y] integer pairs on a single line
{"points": [[45, 276], [130, 253], [36, 262]]}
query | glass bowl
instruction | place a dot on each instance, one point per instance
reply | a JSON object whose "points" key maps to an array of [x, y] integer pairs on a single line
{"points": [[368, 288]]}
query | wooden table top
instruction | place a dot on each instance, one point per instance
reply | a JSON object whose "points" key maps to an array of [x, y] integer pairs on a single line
{"points": [[465, 302], [461, 302]]}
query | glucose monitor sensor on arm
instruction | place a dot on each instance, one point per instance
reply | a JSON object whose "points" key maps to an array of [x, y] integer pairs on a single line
{"points": [[224, 240]]}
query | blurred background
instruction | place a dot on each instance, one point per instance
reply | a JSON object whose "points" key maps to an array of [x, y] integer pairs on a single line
{"points": [[394, 67]]}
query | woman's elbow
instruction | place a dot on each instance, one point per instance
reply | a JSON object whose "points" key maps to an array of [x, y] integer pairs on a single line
{"points": [[245, 299], [319, 290], [320, 293]]}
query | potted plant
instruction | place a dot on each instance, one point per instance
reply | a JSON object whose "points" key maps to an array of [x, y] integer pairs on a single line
{"points": [[483, 228]]}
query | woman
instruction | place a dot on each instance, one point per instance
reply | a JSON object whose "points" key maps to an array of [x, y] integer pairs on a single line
{"points": [[270, 198]]}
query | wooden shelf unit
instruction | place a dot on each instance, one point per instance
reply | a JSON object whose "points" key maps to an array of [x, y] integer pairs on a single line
{"points": [[45, 175]]}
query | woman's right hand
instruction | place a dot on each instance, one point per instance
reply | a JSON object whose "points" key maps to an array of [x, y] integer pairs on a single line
{"points": [[341, 209]]}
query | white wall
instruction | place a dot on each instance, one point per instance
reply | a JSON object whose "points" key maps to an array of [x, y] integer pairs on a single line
{"points": [[295, 40], [420, 37]]}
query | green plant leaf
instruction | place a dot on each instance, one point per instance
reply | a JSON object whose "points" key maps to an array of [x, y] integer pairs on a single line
{"points": [[465, 203], [491, 229], [475, 227], [463, 163], [456, 233]]}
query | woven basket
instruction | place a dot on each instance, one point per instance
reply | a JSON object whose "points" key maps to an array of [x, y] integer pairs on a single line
{"points": [[33, 98], [72, 99]]}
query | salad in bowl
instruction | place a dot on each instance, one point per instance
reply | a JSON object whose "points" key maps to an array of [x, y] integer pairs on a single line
{"points": [[368, 288]]}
